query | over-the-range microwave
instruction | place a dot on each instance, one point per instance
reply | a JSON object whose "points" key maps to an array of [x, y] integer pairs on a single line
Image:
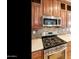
{"points": [[51, 21]]}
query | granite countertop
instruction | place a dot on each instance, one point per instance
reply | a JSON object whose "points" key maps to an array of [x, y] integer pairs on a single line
{"points": [[38, 45], [65, 37]]}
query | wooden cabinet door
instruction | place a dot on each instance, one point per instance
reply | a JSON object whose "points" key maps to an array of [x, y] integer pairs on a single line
{"points": [[47, 7], [37, 54], [36, 15], [63, 18], [56, 8], [68, 19], [33, 8], [51, 7], [69, 50]]}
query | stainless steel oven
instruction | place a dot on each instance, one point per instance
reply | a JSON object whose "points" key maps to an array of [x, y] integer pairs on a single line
{"points": [[55, 53], [54, 47]]}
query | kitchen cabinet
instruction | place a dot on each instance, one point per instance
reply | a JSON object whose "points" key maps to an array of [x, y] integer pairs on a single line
{"points": [[68, 19], [37, 54], [36, 16], [51, 7], [46, 7], [65, 14], [69, 50], [63, 18], [57, 8]]}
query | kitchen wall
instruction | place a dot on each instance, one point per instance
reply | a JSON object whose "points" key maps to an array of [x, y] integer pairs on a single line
{"points": [[40, 9], [39, 32]]}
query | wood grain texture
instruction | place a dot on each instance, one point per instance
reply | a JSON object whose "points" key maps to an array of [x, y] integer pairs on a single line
{"points": [[51, 7], [36, 15], [69, 50], [38, 54], [63, 18]]}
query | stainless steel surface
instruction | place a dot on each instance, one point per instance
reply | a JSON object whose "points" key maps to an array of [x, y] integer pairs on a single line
{"points": [[51, 41], [51, 17], [54, 50]]}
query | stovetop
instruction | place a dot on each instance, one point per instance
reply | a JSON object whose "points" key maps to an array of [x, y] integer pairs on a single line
{"points": [[52, 41]]}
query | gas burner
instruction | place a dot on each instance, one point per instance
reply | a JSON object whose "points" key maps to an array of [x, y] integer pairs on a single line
{"points": [[52, 41]]}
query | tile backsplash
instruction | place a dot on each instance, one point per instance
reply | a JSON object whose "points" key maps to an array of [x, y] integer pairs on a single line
{"points": [[39, 32]]}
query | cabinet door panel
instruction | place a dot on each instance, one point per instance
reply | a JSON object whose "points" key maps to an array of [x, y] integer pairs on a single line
{"points": [[35, 15], [37, 55], [68, 19], [63, 17], [69, 50], [58, 8], [51, 7], [33, 8], [47, 7], [54, 8]]}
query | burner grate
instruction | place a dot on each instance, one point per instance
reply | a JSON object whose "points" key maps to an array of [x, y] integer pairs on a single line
{"points": [[52, 41]]}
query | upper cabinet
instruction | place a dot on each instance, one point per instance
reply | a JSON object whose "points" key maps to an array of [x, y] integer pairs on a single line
{"points": [[65, 11], [51, 7], [56, 8], [46, 7], [36, 16], [63, 18], [68, 19], [59, 8]]}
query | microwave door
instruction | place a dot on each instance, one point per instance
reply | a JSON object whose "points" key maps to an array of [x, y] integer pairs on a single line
{"points": [[50, 22], [54, 22]]}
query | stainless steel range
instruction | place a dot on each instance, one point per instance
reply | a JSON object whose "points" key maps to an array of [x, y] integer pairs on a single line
{"points": [[54, 47]]}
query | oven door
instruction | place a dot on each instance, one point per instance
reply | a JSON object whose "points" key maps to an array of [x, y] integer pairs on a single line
{"points": [[58, 55], [55, 55]]}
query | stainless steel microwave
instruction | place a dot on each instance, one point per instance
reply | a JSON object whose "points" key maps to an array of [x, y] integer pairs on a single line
{"points": [[51, 21]]}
